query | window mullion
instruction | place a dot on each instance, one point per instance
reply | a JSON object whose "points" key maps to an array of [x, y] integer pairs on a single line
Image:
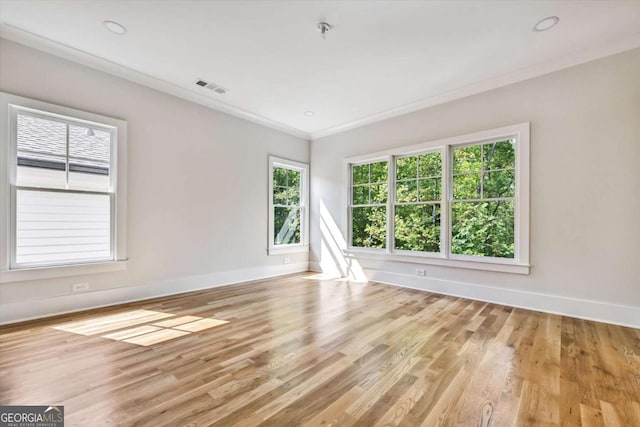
{"points": [[391, 193], [445, 197], [66, 164]]}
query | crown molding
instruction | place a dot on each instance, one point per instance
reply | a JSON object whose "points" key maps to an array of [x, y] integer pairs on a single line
{"points": [[19, 35], [519, 75], [27, 38]]}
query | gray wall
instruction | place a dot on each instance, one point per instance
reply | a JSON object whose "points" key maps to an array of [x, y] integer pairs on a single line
{"points": [[197, 182], [585, 184]]}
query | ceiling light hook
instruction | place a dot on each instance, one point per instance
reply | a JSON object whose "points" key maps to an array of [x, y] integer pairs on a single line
{"points": [[324, 28]]}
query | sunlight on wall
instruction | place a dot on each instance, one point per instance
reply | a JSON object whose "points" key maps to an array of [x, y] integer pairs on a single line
{"points": [[140, 327], [332, 258]]}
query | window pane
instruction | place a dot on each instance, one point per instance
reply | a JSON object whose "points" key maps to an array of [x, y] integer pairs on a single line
{"points": [[499, 184], [41, 149], [369, 227], [467, 159], [379, 193], [466, 186], [378, 172], [407, 168], [361, 174], [483, 228], [280, 195], [500, 155], [429, 189], [360, 195], [407, 191], [293, 178], [286, 226], [293, 196], [279, 177], [430, 165], [89, 158], [417, 228], [62, 228]]}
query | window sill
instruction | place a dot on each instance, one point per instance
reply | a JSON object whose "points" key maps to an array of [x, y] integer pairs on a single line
{"points": [[50, 272], [486, 265], [289, 249]]}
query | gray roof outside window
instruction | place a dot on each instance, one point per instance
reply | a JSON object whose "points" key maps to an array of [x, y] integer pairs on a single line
{"points": [[41, 139]]}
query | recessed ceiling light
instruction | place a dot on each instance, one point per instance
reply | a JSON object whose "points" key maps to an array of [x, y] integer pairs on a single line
{"points": [[309, 113], [115, 28], [546, 24]]}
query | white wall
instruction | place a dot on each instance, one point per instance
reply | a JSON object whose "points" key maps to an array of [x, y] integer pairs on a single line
{"points": [[197, 185], [585, 190]]}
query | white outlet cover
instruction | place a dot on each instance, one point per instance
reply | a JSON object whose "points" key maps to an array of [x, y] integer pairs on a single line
{"points": [[78, 287]]}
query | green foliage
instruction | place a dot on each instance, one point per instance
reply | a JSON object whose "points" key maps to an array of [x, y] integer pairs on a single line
{"points": [[480, 172], [286, 225], [369, 227], [418, 178], [483, 228], [286, 200], [369, 188], [369, 184], [417, 228]]}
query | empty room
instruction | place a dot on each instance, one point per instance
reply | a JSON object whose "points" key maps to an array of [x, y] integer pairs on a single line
{"points": [[319, 213]]}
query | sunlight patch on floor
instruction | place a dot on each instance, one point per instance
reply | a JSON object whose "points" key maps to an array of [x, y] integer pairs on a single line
{"points": [[140, 327]]}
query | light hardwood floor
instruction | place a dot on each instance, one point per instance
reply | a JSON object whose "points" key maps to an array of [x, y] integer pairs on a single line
{"points": [[301, 351]]}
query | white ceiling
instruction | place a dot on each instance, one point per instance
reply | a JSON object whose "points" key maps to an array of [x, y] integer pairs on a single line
{"points": [[382, 58]]}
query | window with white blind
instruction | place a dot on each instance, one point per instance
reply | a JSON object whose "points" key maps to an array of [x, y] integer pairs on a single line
{"points": [[62, 182]]}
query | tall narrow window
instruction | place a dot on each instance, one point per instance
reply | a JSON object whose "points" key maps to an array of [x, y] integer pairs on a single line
{"points": [[288, 213], [369, 204], [417, 202], [482, 204]]}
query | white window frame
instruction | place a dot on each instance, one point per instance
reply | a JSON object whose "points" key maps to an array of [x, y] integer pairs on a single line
{"points": [[350, 206], [519, 264], [303, 246], [10, 106]]}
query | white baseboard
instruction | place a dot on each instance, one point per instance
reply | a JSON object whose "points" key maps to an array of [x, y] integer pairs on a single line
{"points": [[38, 308], [315, 267], [573, 307]]}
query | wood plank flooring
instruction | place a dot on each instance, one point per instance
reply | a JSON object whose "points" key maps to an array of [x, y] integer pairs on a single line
{"points": [[299, 351]]}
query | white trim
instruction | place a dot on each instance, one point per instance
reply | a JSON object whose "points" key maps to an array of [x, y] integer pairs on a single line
{"points": [[9, 105], [315, 267], [49, 272], [303, 246], [555, 304], [423, 258], [557, 64], [68, 303], [36, 41], [519, 264]]}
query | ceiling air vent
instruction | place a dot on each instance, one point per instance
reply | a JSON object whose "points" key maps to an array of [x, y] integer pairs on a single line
{"points": [[211, 86]]}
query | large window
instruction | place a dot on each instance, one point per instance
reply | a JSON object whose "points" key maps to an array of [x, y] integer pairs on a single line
{"points": [[61, 184], [288, 200], [482, 207], [369, 204], [457, 200], [417, 202]]}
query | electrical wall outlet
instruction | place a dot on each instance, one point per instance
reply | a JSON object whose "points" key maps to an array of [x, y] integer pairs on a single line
{"points": [[421, 272], [286, 260], [80, 287]]}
